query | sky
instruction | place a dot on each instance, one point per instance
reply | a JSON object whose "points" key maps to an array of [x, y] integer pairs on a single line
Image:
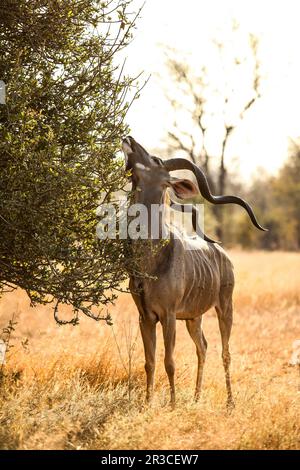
{"points": [[261, 139]]}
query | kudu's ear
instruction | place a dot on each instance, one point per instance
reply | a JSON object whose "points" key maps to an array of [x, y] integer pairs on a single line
{"points": [[184, 189]]}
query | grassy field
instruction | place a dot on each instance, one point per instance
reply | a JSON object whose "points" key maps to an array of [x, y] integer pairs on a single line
{"points": [[83, 387]]}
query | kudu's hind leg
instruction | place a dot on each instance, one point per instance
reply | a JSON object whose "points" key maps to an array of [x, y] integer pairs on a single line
{"points": [[224, 312], [148, 331], [196, 333], [169, 333]]}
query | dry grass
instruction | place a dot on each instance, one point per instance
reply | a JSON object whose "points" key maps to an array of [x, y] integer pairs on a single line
{"points": [[70, 389]]}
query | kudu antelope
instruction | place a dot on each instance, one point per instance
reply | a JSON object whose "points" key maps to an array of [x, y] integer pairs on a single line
{"points": [[184, 282]]}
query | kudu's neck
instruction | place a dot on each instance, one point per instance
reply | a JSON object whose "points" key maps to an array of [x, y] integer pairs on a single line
{"points": [[155, 244]]}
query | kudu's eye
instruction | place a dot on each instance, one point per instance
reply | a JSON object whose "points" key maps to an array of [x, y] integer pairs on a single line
{"points": [[157, 160]]}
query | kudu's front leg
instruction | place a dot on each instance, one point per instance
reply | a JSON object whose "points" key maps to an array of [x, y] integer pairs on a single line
{"points": [[148, 331], [169, 333]]}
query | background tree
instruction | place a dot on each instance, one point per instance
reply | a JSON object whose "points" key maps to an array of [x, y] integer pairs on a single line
{"points": [[276, 200], [213, 102], [286, 190], [59, 131]]}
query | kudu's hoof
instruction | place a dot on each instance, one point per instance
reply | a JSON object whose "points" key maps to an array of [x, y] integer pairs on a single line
{"points": [[230, 405], [149, 401]]}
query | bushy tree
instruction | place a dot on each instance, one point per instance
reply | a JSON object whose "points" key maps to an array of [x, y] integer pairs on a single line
{"points": [[59, 131]]}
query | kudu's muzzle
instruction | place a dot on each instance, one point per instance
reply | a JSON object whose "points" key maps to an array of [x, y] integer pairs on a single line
{"points": [[135, 153]]}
